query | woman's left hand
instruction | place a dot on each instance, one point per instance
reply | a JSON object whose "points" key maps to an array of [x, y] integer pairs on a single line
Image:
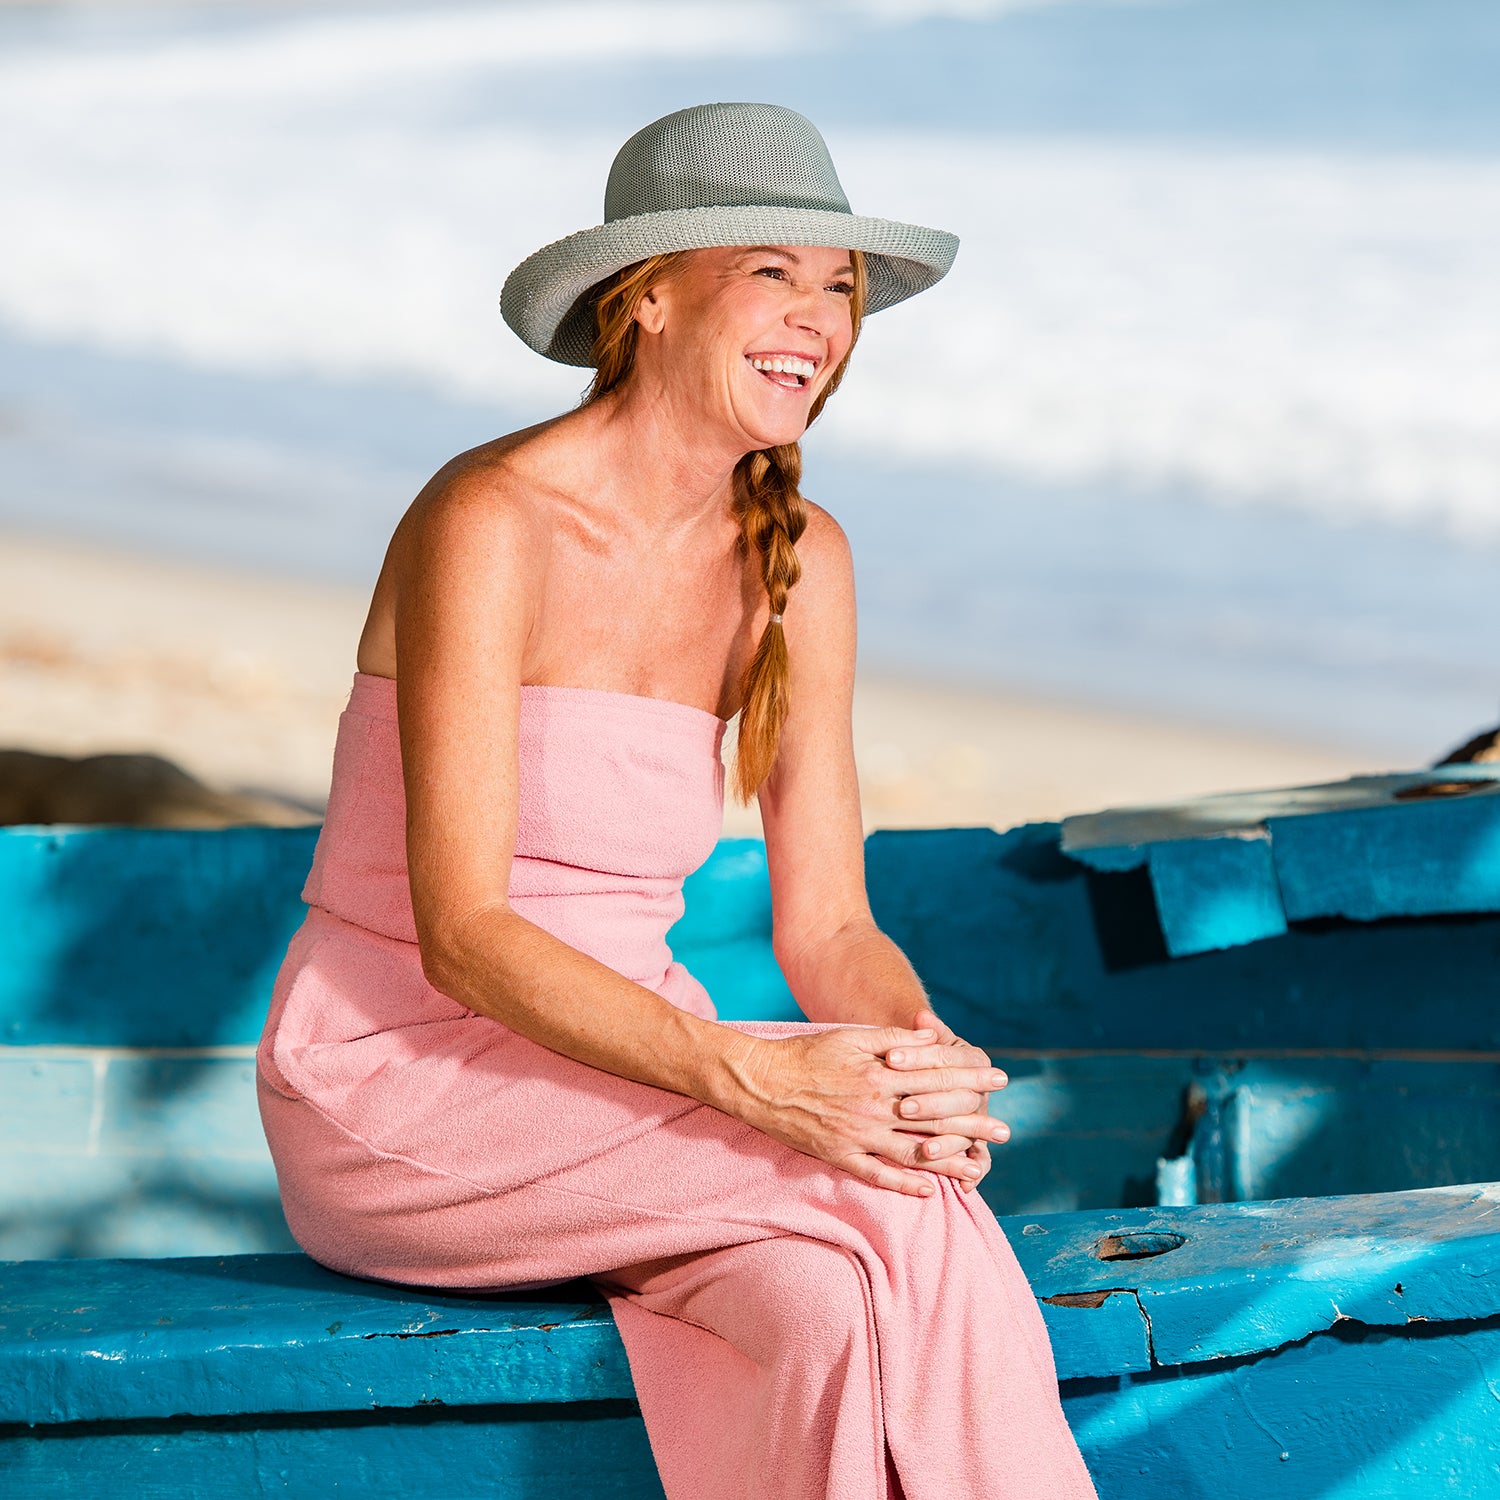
{"points": [[958, 1121]]}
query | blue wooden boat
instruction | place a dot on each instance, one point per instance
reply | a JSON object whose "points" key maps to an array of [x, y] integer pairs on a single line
{"points": [[1255, 1175]]}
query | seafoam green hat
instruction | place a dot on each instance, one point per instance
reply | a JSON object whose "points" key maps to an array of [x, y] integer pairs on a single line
{"points": [[715, 174]]}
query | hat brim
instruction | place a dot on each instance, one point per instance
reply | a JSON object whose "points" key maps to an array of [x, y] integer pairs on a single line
{"points": [[545, 299]]}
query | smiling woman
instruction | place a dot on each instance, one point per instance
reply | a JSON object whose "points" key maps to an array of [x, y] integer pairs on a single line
{"points": [[482, 1066]]}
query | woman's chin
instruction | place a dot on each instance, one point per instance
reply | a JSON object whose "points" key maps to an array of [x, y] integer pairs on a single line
{"points": [[776, 433]]}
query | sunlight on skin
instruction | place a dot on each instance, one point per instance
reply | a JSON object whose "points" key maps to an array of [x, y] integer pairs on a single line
{"points": [[977, 1151], [795, 302]]}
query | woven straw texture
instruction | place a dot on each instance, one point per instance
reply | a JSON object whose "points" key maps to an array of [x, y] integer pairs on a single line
{"points": [[713, 175]]}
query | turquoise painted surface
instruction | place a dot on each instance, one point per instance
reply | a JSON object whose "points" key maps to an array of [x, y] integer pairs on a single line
{"points": [[1412, 1420], [592, 1451], [229, 1336], [147, 1150], [1024, 948], [144, 937], [1237, 868], [117, 1152], [118, 937], [1190, 1369], [1353, 1414], [1332, 1348]]}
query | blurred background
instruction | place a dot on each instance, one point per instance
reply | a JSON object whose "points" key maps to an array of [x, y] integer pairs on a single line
{"points": [[1186, 479]]}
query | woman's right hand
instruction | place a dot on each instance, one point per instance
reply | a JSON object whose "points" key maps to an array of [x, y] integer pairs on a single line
{"points": [[831, 1095]]}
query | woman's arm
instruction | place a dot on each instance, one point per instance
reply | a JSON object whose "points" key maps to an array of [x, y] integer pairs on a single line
{"points": [[469, 566], [467, 594], [839, 965]]}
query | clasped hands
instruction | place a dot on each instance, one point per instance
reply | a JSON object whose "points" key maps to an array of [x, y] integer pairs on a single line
{"points": [[889, 1105]]}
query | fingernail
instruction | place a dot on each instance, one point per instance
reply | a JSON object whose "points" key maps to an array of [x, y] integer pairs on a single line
{"points": [[926, 1031], [908, 1106], [896, 1057], [997, 1080]]}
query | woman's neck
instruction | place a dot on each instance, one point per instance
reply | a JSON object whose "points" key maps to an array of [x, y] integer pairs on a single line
{"points": [[658, 463]]}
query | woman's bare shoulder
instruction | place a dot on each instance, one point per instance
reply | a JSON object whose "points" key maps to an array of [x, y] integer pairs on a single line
{"points": [[479, 530], [497, 489], [826, 558]]}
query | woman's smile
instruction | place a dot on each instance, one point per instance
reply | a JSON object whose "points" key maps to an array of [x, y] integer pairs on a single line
{"points": [[787, 370]]}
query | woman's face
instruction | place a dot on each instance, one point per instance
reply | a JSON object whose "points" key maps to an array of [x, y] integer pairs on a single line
{"points": [[713, 335]]}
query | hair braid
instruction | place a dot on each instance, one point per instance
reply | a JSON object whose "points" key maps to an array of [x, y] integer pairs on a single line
{"points": [[767, 502], [772, 516]]}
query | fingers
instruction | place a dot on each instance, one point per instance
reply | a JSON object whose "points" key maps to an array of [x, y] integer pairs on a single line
{"points": [[915, 1109], [978, 1155], [939, 1055], [967, 1127], [936, 1147], [880, 1039], [927, 1020], [884, 1173], [946, 1080], [959, 1166]]}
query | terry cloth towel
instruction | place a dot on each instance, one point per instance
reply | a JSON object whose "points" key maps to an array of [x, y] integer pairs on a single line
{"points": [[797, 1333]]}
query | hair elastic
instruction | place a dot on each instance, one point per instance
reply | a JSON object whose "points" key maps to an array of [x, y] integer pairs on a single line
{"points": [[776, 619]]}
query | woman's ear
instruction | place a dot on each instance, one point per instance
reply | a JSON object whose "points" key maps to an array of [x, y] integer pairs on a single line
{"points": [[650, 312]]}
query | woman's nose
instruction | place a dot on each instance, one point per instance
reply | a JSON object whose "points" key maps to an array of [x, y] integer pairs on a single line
{"points": [[809, 310]]}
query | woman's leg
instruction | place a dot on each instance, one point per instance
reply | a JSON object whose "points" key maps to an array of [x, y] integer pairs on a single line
{"points": [[758, 1363], [817, 1320], [834, 1320]]}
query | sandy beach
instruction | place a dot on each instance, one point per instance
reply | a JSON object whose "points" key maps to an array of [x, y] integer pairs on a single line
{"points": [[240, 679]]}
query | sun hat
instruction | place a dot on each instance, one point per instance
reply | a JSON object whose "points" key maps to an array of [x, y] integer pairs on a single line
{"points": [[713, 175]]}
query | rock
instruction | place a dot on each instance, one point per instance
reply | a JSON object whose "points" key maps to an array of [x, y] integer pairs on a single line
{"points": [[1482, 749], [141, 790]]}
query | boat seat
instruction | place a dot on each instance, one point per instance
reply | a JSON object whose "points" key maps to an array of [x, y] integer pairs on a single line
{"points": [[231, 1338]]}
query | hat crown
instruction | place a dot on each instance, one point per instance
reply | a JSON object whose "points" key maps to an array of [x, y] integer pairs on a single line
{"points": [[723, 156]]}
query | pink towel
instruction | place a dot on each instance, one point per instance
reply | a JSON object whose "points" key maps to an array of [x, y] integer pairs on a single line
{"points": [[819, 1336]]}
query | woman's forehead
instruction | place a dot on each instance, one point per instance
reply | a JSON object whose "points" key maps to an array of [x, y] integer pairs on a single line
{"points": [[829, 260]]}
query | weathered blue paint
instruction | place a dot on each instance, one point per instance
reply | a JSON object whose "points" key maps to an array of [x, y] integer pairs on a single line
{"points": [[144, 937], [172, 1160], [1356, 1413], [1237, 1333], [87, 1341], [1403, 859], [1191, 1366], [99, 1340], [141, 1152], [583, 1451], [1025, 948], [1248, 1278], [1236, 869], [1216, 893], [1125, 828], [1305, 1126], [151, 938]]}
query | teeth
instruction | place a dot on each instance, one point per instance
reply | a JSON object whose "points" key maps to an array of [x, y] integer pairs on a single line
{"points": [[785, 365]]}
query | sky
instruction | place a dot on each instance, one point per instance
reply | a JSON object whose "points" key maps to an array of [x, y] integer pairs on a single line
{"points": [[1203, 423]]}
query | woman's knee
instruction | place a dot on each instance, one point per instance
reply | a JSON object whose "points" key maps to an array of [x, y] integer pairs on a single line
{"points": [[806, 1294]]}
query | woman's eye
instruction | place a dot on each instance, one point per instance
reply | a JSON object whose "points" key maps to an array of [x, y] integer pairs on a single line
{"points": [[779, 272], [843, 288]]}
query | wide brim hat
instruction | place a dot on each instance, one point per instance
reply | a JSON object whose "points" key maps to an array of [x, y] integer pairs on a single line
{"points": [[713, 175]]}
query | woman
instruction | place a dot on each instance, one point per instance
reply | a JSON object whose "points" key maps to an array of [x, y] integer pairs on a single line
{"points": [[482, 1067]]}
